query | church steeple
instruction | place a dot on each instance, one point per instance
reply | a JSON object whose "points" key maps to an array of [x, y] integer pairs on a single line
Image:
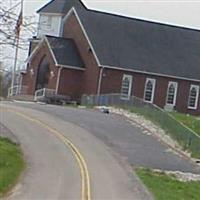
{"points": [[61, 6], [51, 16]]}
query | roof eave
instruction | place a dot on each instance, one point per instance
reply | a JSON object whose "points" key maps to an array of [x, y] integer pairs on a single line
{"points": [[37, 48], [151, 73], [50, 13], [38, 11], [73, 10], [70, 67]]}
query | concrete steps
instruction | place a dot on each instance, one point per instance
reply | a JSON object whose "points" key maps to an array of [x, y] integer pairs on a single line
{"points": [[22, 98]]}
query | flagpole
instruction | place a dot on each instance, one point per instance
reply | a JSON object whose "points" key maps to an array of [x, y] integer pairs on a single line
{"points": [[15, 65], [16, 56]]}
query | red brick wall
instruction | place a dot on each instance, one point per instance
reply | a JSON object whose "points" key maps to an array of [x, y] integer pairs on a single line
{"points": [[72, 29], [112, 79], [71, 83], [34, 64]]}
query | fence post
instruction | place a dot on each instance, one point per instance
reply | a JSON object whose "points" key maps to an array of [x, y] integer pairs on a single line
{"points": [[44, 92], [17, 89], [189, 141], [9, 92], [35, 97]]}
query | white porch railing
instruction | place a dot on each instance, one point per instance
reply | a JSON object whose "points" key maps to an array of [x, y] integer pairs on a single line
{"points": [[17, 90], [44, 93]]}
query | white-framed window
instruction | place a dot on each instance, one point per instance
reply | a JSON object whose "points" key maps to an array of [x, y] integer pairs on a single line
{"points": [[193, 97], [126, 86], [149, 90], [47, 22], [171, 93]]}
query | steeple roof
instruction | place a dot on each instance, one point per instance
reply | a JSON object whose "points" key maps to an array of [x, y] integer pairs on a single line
{"points": [[60, 6]]}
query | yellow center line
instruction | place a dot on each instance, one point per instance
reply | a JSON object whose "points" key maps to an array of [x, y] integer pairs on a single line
{"points": [[85, 179]]}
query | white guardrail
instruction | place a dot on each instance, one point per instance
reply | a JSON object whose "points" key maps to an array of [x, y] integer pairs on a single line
{"points": [[43, 93], [17, 90]]}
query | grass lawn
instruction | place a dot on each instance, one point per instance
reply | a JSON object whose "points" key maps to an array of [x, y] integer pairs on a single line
{"points": [[11, 164], [189, 120], [165, 187]]}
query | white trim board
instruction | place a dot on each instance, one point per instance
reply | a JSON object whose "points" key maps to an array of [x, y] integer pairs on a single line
{"points": [[53, 14], [73, 10], [70, 67], [150, 73], [37, 48], [51, 51]]}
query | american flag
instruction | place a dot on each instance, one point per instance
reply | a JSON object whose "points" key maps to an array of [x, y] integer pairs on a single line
{"points": [[18, 25]]}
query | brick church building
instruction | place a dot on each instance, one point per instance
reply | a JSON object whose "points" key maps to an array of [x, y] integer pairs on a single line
{"points": [[82, 51]]}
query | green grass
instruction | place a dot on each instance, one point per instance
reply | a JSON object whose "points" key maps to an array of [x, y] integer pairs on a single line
{"points": [[186, 139], [165, 187], [11, 164], [191, 121]]}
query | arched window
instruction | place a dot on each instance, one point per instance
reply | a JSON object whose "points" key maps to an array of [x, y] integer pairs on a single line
{"points": [[126, 87], [171, 93], [193, 97], [149, 90], [43, 74]]}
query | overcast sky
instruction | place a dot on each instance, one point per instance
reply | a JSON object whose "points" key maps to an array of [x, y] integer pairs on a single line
{"points": [[179, 12]]}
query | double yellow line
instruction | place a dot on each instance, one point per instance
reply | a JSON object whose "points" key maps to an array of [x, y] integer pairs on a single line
{"points": [[85, 179]]}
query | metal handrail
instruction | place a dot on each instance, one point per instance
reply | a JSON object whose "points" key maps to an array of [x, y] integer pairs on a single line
{"points": [[17, 90], [44, 92], [38, 92]]}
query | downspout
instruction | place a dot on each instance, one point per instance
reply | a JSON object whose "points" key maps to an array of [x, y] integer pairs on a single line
{"points": [[99, 84], [58, 79]]}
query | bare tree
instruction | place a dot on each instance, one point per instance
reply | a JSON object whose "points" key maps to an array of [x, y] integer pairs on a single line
{"points": [[14, 34], [8, 21], [5, 80]]}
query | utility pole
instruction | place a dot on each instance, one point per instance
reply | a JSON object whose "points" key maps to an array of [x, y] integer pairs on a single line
{"points": [[15, 65], [17, 35]]}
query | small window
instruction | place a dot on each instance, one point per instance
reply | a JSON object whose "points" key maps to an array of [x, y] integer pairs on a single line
{"points": [[149, 90], [171, 93], [126, 87], [193, 97], [47, 22]]}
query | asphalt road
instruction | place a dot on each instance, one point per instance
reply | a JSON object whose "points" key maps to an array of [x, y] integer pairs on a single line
{"points": [[52, 171], [127, 143]]}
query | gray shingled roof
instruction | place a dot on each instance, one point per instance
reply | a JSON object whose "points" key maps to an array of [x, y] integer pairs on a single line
{"points": [[65, 51], [144, 46], [137, 44], [60, 6]]}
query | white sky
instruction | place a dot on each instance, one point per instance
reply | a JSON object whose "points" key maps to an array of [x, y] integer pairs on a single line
{"points": [[178, 12]]}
